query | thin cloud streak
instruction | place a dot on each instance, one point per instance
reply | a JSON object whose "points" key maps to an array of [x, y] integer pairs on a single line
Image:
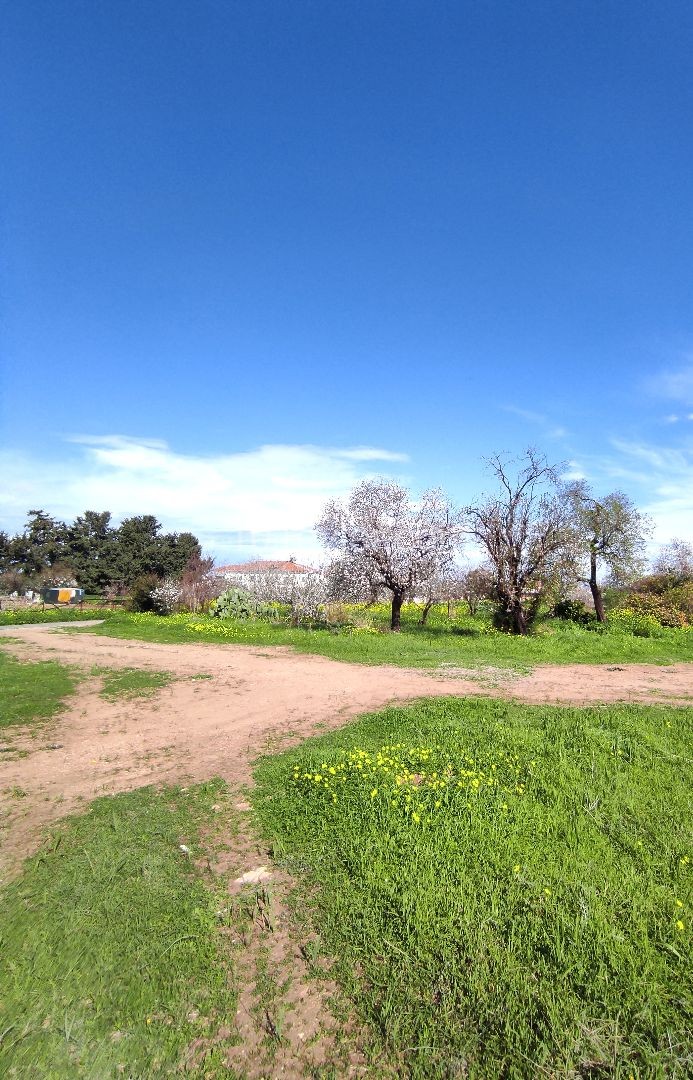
{"points": [[658, 478], [550, 430], [675, 385]]}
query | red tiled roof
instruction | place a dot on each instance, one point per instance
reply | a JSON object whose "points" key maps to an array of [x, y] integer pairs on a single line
{"points": [[262, 566]]}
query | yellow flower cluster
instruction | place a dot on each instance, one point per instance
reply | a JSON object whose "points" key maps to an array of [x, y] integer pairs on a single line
{"points": [[225, 630], [216, 628], [417, 779]]}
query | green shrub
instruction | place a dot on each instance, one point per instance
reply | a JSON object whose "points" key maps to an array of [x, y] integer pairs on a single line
{"points": [[141, 598], [573, 611], [659, 606], [629, 621]]}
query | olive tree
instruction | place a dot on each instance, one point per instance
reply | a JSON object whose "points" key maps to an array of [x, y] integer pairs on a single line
{"points": [[524, 530], [399, 544], [609, 532]]}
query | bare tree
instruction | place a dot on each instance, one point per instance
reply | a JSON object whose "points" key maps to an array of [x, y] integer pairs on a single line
{"points": [[399, 544], [525, 532], [610, 532], [475, 585], [454, 584], [199, 582]]}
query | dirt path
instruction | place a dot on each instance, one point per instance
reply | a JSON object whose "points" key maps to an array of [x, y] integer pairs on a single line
{"points": [[255, 700]]}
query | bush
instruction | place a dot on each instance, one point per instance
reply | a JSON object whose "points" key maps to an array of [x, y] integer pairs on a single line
{"points": [[661, 607], [166, 597], [629, 621], [573, 611], [141, 598]]}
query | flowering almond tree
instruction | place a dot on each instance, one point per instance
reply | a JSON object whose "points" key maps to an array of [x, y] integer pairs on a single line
{"points": [[397, 543]]}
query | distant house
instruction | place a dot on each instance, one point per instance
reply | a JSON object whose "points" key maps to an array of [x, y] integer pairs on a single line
{"points": [[239, 572]]}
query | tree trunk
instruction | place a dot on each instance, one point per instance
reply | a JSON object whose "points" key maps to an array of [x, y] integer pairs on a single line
{"points": [[532, 611], [397, 601], [518, 619], [595, 590], [510, 614], [424, 614]]}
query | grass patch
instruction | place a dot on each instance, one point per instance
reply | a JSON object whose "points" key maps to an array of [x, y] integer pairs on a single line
{"points": [[31, 692], [505, 889], [110, 962], [463, 642], [131, 682], [23, 616]]}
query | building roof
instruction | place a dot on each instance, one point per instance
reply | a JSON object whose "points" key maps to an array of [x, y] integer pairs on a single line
{"points": [[264, 566]]}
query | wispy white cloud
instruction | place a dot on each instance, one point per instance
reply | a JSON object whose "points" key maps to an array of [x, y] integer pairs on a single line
{"points": [[550, 430], [263, 500], [658, 478], [675, 385]]}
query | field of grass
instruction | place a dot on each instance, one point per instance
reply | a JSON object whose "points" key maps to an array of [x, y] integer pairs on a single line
{"points": [[131, 682], [463, 642], [504, 890], [110, 958], [32, 692]]}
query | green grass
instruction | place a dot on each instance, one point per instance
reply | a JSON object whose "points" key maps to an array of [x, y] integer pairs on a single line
{"points": [[32, 692], [22, 616], [463, 643], [110, 959], [519, 904], [131, 682]]}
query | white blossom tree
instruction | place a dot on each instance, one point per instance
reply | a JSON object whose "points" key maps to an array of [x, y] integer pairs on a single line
{"points": [[306, 594], [166, 596], [675, 560], [348, 581], [397, 544]]}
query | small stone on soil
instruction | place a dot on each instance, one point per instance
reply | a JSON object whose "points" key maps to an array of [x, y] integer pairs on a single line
{"points": [[252, 877]]}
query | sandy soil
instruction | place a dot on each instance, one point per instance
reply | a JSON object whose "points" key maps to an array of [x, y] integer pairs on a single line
{"points": [[257, 699]]}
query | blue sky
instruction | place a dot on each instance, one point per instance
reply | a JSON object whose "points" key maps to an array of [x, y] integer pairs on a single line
{"points": [[253, 252]]}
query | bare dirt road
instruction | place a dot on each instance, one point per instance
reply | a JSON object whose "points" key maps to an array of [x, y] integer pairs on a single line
{"points": [[256, 699]]}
